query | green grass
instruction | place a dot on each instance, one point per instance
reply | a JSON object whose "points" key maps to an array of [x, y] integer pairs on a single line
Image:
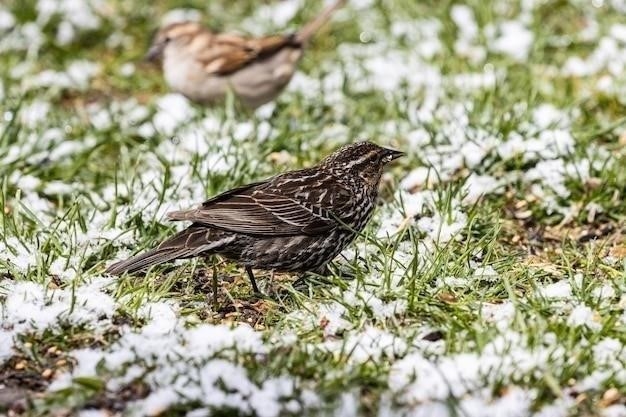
{"points": [[78, 191]]}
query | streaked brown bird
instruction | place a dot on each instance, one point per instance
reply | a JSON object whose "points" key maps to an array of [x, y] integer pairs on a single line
{"points": [[203, 65], [293, 222]]}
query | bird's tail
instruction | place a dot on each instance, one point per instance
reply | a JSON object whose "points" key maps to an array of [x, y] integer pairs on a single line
{"points": [[188, 243], [304, 35]]}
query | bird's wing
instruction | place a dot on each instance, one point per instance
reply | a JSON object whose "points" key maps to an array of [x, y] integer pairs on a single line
{"points": [[279, 207], [227, 53]]}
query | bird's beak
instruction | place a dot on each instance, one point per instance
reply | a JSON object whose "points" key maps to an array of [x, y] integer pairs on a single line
{"points": [[394, 154], [155, 52]]}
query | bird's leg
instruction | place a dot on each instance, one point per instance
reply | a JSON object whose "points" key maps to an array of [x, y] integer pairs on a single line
{"points": [[300, 281], [214, 286], [210, 260], [317, 275], [270, 286], [345, 273], [328, 269], [252, 280], [323, 270]]}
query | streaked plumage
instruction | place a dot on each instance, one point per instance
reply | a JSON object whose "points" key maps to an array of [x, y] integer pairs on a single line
{"points": [[203, 65], [296, 221]]}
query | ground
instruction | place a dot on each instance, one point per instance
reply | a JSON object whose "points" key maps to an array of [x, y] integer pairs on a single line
{"points": [[490, 282]]}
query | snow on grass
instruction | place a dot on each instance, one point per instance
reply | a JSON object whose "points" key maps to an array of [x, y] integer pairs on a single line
{"points": [[197, 365], [421, 382], [29, 307], [442, 314]]}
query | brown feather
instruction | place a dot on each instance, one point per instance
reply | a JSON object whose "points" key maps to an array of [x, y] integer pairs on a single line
{"points": [[276, 207], [296, 221], [224, 53], [228, 53]]}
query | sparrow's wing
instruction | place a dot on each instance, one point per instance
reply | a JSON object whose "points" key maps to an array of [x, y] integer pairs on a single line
{"points": [[286, 205], [227, 53]]}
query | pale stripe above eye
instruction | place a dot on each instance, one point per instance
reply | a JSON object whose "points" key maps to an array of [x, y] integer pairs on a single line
{"points": [[366, 159]]}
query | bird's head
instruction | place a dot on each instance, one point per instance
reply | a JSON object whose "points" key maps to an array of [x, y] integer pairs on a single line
{"points": [[178, 34], [364, 160]]}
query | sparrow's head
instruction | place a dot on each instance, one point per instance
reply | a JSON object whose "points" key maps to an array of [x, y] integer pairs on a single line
{"points": [[179, 34], [365, 160]]}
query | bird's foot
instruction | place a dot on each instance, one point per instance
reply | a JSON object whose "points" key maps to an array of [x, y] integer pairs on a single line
{"points": [[270, 290], [258, 295], [300, 283], [340, 270], [306, 279]]}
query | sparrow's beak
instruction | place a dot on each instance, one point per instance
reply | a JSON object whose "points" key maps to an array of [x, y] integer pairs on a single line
{"points": [[155, 52], [394, 154]]}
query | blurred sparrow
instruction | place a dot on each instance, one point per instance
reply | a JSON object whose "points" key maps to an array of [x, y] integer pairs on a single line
{"points": [[203, 65]]}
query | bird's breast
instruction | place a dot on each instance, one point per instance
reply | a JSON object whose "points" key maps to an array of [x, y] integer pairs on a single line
{"points": [[186, 76]]}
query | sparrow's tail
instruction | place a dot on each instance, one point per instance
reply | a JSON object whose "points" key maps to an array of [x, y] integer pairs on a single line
{"points": [[191, 242], [304, 35]]}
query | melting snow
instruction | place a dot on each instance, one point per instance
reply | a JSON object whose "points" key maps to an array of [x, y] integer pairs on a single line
{"points": [[208, 366]]}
